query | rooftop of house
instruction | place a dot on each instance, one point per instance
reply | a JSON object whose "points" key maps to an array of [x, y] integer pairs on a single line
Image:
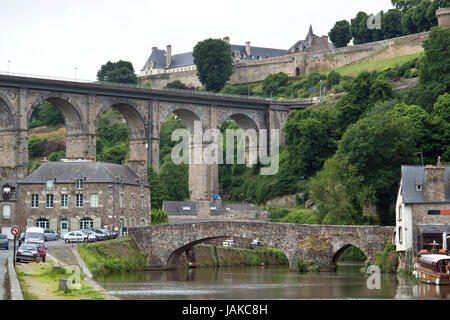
{"points": [[190, 208], [302, 45], [413, 176], [92, 172], [158, 57]]}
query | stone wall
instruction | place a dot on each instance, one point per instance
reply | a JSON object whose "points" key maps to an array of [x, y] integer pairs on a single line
{"points": [[288, 201], [300, 63]]}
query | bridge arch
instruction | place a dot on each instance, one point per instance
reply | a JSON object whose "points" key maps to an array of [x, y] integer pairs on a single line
{"points": [[188, 114], [8, 136], [7, 119], [337, 254], [136, 122]]}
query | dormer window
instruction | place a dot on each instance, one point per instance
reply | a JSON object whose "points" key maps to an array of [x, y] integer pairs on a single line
{"points": [[419, 187], [79, 183], [49, 184]]}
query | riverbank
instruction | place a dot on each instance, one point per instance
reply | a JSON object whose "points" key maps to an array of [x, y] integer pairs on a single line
{"points": [[123, 255], [40, 281]]}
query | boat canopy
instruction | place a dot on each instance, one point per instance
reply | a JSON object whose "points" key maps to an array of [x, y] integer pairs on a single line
{"points": [[433, 258]]}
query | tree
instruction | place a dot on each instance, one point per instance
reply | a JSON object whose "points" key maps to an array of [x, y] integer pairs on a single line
{"points": [[46, 114], [115, 154], [214, 63], [158, 191], [158, 216], [377, 146], [120, 71], [177, 84], [340, 193], [442, 107], [391, 24], [404, 5], [340, 34], [274, 84], [358, 26], [176, 179], [333, 79]]}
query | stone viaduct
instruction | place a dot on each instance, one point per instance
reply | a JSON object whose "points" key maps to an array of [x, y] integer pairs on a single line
{"points": [[82, 104], [319, 244]]}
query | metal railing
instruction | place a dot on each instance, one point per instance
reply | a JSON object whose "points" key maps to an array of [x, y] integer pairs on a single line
{"points": [[138, 86]]}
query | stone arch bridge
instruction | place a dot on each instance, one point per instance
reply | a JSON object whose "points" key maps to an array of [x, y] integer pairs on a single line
{"points": [[82, 104], [320, 244]]}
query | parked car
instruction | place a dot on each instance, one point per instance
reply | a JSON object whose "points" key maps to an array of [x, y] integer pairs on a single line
{"points": [[91, 235], [28, 252], [49, 234], [255, 244], [75, 236], [102, 235], [21, 238], [111, 234], [4, 242], [42, 250], [230, 244], [35, 234]]}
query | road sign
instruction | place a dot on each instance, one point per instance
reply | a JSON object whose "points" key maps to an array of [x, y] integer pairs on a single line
{"points": [[15, 230]]}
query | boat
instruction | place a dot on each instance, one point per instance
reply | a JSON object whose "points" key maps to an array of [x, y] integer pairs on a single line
{"points": [[433, 268]]}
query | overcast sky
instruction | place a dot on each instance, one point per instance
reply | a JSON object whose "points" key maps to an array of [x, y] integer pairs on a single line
{"points": [[53, 37]]}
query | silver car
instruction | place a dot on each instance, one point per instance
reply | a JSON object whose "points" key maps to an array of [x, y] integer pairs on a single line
{"points": [[49, 234], [28, 252]]}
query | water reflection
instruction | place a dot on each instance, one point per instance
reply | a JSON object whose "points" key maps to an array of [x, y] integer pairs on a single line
{"points": [[349, 281]]}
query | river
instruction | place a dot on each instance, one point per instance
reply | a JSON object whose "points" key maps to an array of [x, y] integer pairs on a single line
{"points": [[270, 282]]}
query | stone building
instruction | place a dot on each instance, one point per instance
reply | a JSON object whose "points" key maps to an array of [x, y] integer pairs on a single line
{"points": [[422, 211], [311, 43], [162, 61], [443, 16], [8, 200], [77, 194]]}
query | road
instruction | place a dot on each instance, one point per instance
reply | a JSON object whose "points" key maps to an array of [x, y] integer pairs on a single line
{"points": [[4, 254]]}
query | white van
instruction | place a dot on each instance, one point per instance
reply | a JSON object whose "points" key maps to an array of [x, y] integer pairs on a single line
{"points": [[35, 234]]}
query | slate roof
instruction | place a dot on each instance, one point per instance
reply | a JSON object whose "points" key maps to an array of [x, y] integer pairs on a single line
{"points": [[416, 174], [186, 59], [176, 208], [92, 172]]}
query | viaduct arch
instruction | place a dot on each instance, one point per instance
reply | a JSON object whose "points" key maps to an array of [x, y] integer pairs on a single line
{"points": [[82, 104]]}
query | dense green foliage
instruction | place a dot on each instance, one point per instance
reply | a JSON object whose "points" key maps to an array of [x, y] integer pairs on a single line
{"points": [[158, 189], [293, 215], [158, 216], [408, 17], [387, 259], [46, 114], [177, 84], [112, 256], [353, 254], [214, 63], [340, 34], [120, 71], [113, 139]]}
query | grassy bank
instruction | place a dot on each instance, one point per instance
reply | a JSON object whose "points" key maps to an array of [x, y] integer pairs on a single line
{"points": [[207, 256], [40, 282], [112, 256]]}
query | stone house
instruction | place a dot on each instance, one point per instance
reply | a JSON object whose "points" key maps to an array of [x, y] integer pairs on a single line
{"points": [[8, 200], [422, 211], [72, 195]]}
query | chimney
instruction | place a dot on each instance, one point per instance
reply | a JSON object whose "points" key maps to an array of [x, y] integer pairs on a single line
{"points": [[247, 48], [434, 184], [168, 55], [154, 49], [227, 40]]}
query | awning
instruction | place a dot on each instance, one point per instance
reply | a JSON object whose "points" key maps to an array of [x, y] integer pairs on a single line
{"points": [[434, 228]]}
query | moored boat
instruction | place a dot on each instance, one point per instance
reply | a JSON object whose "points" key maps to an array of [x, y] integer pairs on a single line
{"points": [[433, 268]]}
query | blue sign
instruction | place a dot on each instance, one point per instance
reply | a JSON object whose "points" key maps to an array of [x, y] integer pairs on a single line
{"points": [[216, 196], [311, 90]]}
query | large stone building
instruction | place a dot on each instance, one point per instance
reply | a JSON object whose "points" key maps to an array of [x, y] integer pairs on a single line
{"points": [[422, 210], [72, 195], [312, 43]]}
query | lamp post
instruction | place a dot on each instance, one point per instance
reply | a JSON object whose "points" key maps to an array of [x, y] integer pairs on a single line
{"points": [[421, 155], [8, 66], [76, 73]]}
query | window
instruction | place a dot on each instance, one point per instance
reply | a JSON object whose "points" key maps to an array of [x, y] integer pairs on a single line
{"points": [[49, 185], [63, 200], [79, 183], [132, 202], [418, 187], [400, 213], [400, 235], [94, 200], [6, 211], [132, 223], [121, 201], [86, 223], [142, 222], [49, 201], [79, 201], [142, 202], [35, 201], [43, 223]]}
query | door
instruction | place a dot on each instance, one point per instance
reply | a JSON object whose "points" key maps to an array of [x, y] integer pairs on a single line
{"points": [[64, 227]]}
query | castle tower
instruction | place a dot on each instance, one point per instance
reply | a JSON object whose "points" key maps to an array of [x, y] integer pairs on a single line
{"points": [[443, 16]]}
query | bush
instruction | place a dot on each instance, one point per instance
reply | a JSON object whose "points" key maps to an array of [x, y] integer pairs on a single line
{"points": [[177, 84], [387, 259], [159, 217]]}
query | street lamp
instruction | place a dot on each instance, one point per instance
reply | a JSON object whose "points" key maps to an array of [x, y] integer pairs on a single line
{"points": [[76, 73], [421, 154], [8, 66]]}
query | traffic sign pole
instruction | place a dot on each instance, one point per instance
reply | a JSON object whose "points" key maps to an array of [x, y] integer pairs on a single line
{"points": [[15, 231]]}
